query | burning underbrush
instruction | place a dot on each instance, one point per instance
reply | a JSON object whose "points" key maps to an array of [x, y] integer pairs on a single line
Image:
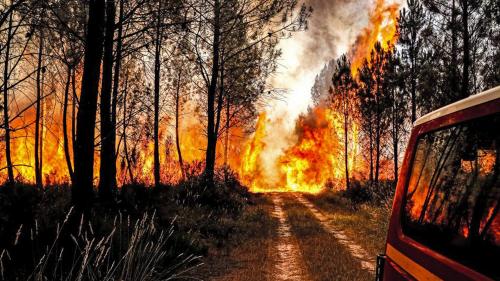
{"points": [[312, 161]]}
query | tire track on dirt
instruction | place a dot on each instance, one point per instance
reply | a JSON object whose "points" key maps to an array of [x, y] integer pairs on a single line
{"points": [[289, 264], [367, 262]]}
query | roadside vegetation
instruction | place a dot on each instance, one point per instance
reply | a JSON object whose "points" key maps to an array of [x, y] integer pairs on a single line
{"points": [[362, 213], [149, 234]]}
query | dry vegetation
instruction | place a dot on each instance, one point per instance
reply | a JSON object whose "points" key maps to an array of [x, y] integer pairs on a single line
{"points": [[366, 223], [250, 256], [152, 234]]}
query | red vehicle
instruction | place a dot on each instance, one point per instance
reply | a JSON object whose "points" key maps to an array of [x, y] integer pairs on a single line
{"points": [[445, 222]]}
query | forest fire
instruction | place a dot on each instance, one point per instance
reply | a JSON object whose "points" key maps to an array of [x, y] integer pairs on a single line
{"points": [[312, 160], [135, 162], [382, 28], [315, 158], [309, 165], [54, 169], [318, 141], [223, 138], [251, 169]]}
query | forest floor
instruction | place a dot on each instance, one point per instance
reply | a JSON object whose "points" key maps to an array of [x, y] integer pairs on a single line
{"points": [[303, 237]]}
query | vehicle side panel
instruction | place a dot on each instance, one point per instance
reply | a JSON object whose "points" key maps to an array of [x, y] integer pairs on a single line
{"points": [[436, 264]]}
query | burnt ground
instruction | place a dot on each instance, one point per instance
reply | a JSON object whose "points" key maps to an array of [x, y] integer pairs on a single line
{"points": [[304, 237]]}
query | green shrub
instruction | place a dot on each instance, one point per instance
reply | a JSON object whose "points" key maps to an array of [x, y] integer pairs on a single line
{"points": [[364, 192], [357, 193]]}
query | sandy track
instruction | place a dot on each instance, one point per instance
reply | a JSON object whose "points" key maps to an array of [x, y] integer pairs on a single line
{"points": [[367, 262], [289, 264]]}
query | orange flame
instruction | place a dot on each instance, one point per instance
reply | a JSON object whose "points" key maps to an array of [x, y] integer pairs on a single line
{"points": [[381, 28], [316, 159], [251, 168], [54, 169]]}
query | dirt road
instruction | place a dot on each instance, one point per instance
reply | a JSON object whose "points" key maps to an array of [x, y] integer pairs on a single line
{"points": [[309, 240]]}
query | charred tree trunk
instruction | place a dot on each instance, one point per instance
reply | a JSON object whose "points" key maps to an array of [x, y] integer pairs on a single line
{"points": [[157, 73], [42, 127], [38, 164], [220, 104], [211, 95], [413, 78], [415, 24], [83, 192], [67, 154], [10, 168], [413, 90], [107, 179], [377, 132], [177, 135]]}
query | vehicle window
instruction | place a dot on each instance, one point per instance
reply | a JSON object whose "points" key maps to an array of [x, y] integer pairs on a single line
{"points": [[452, 200]]}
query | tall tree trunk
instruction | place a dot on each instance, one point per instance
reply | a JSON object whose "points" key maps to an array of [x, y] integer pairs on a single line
{"points": [[413, 79], [177, 113], [42, 126], [466, 48], [107, 179], [370, 127], [67, 154], [454, 81], [211, 95], [116, 79], [10, 167], [124, 125], [38, 165], [83, 192], [157, 73], [220, 104], [395, 135], [226, 141], [377, 133], [74, 100], [346, 138]]}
